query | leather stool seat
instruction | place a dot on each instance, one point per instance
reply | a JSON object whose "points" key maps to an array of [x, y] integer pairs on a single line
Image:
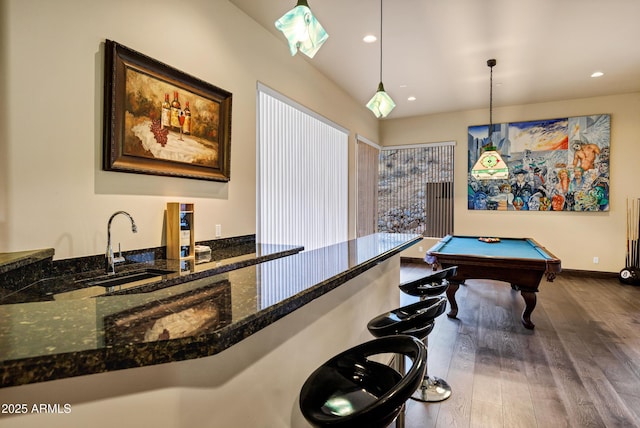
{"points": [[415, 319], [351, 390], [430, 285]]}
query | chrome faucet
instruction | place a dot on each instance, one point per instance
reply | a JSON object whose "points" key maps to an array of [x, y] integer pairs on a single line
{"points": [[110, 260]]}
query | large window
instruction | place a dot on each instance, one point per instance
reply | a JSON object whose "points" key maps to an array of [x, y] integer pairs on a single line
{"points": [[302, 163], [415, 189]]}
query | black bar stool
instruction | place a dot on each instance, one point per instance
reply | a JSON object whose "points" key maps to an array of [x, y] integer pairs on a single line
{"points": [[352, 391], [432, 388], [416, 320]]}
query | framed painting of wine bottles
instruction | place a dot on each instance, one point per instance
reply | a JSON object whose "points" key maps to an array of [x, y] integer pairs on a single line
{"points": [[159, 120]]}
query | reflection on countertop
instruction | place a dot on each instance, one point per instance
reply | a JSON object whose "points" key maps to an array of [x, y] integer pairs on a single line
{"points": [[183, 315]]}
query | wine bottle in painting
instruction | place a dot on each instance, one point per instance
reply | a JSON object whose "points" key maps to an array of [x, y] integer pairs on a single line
{"points": [[175, 112], [186, 127], [181, 118], [165, 116]]}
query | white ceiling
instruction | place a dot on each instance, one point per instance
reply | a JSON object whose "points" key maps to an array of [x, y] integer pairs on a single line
{"points": [[437, 50]]}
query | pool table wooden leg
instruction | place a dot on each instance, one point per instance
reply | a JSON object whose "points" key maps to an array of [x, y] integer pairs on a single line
{"points": [[530, 301], [451, 296]]}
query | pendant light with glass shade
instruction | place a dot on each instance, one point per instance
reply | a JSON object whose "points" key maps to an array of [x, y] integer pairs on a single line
{"points": [[381, 103], [302, 30], [490, 165]]}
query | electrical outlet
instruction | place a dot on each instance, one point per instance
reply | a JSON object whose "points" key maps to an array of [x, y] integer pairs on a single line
{"points": [[420, 249], [218, 230], [596, 260]]}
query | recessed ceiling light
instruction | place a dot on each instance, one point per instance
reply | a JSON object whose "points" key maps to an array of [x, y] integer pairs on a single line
{"points": [[411, 98], [597, 74], [369, 38]]}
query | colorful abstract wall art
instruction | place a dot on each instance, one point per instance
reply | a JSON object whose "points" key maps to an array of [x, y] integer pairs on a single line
{"points": [[554, 165]]}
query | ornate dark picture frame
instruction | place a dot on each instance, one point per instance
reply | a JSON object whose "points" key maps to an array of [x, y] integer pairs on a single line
{"points": [[161, 121]]}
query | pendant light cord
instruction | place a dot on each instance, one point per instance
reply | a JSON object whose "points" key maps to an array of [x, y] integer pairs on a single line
{"points": [[381, 41], [491, 63], [491, 106]]}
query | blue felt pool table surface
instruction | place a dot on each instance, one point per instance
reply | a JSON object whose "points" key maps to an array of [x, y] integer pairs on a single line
{"points": [[521, 248]]}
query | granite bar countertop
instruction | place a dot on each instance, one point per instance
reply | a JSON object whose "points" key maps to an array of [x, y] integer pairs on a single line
{"points": [[10, 261], [40, 279], [47, 335]]}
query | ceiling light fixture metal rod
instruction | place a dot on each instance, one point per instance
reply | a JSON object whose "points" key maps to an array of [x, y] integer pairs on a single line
{"points": [[491, 63], [380, 40]]}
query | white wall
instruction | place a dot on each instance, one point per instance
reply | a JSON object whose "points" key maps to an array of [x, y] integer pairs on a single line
{"points": [[53, 192], [575, 237]]}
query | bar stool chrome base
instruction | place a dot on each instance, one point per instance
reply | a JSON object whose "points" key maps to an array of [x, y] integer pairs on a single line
{"points": [[432, 389]]}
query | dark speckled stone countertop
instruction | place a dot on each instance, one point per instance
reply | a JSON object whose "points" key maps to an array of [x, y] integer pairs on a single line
{"points": [[69, 328], [11, 261]]}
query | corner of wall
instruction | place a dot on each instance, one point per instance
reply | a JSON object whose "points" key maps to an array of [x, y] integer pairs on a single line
{"points": [[4, 151]]}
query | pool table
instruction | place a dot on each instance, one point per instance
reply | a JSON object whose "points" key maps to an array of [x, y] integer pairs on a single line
{"points": [[519, 261]]}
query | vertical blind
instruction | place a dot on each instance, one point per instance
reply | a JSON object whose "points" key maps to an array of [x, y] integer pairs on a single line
{"points": [[302, 189], [367, 190], [415, 189]]}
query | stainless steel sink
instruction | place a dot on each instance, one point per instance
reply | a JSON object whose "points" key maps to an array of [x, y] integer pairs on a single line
{"points": [[105, 284], [127, 278]]}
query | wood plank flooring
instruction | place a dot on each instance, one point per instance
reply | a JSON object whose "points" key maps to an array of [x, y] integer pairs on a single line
{"points": [[579, 367]]}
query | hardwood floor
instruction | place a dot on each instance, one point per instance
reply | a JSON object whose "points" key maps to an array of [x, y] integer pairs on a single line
{"points": [[579, 367]]}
